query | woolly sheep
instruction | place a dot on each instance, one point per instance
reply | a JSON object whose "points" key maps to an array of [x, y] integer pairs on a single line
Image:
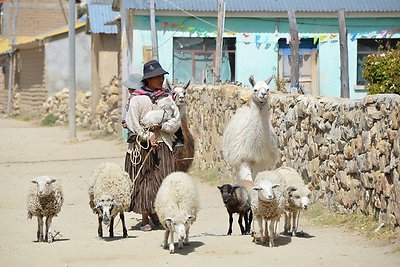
{"points": [[45, 199], [249, 142], [110, 193], [236, 200], [162, 112], [177, 204], [298, 198], [184, 155], [268, 199]]}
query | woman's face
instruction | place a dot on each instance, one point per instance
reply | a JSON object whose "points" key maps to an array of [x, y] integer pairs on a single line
{"points": [[155, 82]]}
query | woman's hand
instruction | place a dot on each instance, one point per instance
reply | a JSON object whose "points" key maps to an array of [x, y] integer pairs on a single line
{"points": [[153, 141], [155, 128]]}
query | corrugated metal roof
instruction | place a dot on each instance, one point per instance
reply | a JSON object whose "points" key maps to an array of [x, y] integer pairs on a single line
{"points": [[271, 5], [5, 43], [100, 17]]}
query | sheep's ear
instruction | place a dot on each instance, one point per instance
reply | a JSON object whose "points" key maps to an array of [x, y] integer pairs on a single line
{"points": [[255, 188], [291, 188], [235, 187], [251, 80], [275, 185], [191, 218], [34, 181], [168, 85], [52, 180], [186, 85], [99, 205], [220, 187], [168, 222]]}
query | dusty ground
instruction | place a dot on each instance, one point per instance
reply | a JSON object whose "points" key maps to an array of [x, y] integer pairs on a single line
{"points": [[28, 150]]}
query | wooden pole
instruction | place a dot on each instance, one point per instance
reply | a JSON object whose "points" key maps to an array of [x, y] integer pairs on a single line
{"points": [[294, 53], [344, 56], [72, 84], [11, 63], [154, 42], [219, 42]]}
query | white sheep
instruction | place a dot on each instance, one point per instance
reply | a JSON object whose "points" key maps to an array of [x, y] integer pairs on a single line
{"points": [[184, 155], [110, 193], [45, 199], [298, 198], [162, 111], [249, 142], [177, 204], [267, 200]]}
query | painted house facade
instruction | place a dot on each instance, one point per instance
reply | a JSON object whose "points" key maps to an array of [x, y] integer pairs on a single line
{"points": [[256, 39]]}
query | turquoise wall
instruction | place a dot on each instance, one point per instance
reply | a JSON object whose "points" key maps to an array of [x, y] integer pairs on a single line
{"points": [[257, 47]]}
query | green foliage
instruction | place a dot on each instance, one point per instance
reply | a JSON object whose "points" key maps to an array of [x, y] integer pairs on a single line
{"points": [[382, 71], [49, 120]]}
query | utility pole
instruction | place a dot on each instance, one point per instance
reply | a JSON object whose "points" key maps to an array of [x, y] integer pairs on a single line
{"points": [[11, 63], [219, 42], [153, 29], [72, 89], [294, 53], [344, 56]]}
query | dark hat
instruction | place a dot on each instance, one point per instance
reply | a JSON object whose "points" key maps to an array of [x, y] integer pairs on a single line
{"points": [[152, 69], [134, 81]]}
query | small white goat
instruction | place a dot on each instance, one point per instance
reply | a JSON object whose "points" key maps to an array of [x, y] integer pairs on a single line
{"points": [[45, 199], [249, 142], [177, 204]]}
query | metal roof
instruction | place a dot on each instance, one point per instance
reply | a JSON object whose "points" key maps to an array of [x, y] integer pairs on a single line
{"points": [[271, 5], [101, 17]]}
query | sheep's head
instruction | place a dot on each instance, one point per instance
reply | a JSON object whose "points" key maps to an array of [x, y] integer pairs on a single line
{"points": [[44, 185], [179, 225], [260, 90], [227, 192], [178, 92], [106, 207], [265, 190], [299, 197]]}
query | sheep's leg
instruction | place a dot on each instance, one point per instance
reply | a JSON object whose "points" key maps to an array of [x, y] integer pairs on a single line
{"points": [[295, 221], [124, 231], [187, 237], [287, 222], [40, 229], [266, 233], [240, 222], [272, 233], [249, 216], [166, 235], [171, 242], [100, 228], [230, 223], [111, 227], [49, 234], [244, 172], [262, 233]]}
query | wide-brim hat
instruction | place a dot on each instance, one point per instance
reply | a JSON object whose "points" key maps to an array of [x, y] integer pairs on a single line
{"points": [[152, 69], [134, 81]]}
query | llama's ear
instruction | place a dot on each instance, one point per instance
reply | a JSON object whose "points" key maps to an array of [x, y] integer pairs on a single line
{"points": [[251, 80], [267, 81], [186, 85], [168, 84]]}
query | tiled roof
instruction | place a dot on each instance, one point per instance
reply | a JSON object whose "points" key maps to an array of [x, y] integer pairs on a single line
{"points": [[101, 17], [271, 5]]}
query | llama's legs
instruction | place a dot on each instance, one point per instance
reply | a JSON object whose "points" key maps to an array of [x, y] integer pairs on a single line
{"points": [[244, 172]]}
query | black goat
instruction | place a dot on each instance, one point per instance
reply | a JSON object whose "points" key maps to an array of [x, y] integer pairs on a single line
{"points": [[236, 200]]}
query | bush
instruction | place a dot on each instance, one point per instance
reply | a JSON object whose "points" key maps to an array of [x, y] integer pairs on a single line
{"points": [[49, 120], [382, 72]]}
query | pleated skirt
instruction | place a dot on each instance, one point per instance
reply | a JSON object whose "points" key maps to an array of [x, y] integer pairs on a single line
{"points": [[157, 164]]}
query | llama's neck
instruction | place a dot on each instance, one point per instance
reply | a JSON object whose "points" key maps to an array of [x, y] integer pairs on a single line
{"points": [[182, 110], [262, 111]]}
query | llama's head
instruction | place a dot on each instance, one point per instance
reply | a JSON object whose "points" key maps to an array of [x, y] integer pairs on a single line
{"points": [[260, 90], [178, 92]]}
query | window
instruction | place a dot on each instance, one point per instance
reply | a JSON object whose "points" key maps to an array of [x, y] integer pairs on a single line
{"points": [[194, 58], [367, 47]]}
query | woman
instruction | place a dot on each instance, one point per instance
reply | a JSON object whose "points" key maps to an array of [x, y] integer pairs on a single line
{"points": [[150, 158]]}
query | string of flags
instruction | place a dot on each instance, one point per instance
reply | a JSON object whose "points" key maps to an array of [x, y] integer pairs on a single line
{"points": [[258, 39]]}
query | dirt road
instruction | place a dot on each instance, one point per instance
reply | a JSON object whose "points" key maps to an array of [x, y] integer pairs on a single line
{"points": [[28, 150]]}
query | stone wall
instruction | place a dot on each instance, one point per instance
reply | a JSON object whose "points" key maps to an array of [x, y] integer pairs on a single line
{"points": [[348, 149]]}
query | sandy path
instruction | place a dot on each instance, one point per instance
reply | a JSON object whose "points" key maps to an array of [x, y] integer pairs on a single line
{"points": [[27, 150]]}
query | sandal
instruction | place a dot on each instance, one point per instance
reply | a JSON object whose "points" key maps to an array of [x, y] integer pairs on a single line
{"points": [[145, 228]]}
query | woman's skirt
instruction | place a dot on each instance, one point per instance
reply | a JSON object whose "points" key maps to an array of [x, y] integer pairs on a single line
{"points": [[156, 166]]}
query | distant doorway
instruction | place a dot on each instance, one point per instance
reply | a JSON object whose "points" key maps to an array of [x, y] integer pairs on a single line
{"points": [[308, 53]]}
